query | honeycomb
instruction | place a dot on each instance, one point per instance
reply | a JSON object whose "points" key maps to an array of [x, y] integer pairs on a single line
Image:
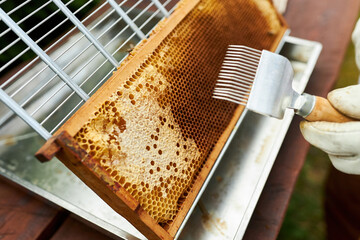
{"points": [[155, 132]]}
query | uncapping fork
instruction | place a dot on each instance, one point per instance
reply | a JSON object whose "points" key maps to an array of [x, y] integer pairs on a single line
{"points": [[262, 81]]}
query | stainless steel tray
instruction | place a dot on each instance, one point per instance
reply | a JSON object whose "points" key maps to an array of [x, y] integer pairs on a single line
{"points": [[226, 206], [233, 187]]}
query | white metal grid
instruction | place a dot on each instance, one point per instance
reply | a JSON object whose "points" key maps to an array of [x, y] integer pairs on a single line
{"points": [[46, 76]]}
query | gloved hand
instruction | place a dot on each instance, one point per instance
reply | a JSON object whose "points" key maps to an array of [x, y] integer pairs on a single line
{"points": [[340, 140], [356, 40], [280, 5]]}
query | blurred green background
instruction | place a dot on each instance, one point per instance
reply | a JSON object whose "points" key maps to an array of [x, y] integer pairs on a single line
{"points": [[305, 215]]}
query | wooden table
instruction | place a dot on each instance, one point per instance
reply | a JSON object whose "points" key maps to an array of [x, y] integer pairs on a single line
{"points": [[25, 216]]}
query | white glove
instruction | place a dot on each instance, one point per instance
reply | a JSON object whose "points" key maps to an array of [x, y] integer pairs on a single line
{"points": [[280, 5], [340, 140], [356, 40]]}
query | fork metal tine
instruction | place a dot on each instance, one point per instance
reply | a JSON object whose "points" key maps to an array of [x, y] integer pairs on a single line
{"points": [[238, 80], [235, 57], [229, 97], [239, 94], [246, 48], [230, 73], [240, 65], [247, 52], [239, 71], [229, 87], [230, 100], [239, 76], [237, 84], [243, 53], [226, 83], [231, 76]]}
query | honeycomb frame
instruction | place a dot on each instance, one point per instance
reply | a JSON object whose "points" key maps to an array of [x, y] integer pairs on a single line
{"points": [[67, 145]]}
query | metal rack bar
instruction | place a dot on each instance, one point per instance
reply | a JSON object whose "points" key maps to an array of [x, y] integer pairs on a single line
{"points": [[125, 1], [111, 26], [85, 65], [100, 82], [131, 8], [164, 4], [26, 101], [25, 18], [39, 72], [117, 35], [67, 115], [173, 8], [108, 43], [18, 7], [53, 29], [161, 8], [126, 19], [102, 19], [14, 59], [143, 11], [59, 89], [8, 21], [46, 19], [47, 100], [86, 32], [37, 41], [34, 12], [28, 32], [54, 44], [123, 44], [8, 101], [5, 32], [149, 19], [104, 78], [61, 104], [67, 79]]}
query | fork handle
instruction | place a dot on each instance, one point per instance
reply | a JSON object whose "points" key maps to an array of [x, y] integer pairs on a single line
{"points": [[324, 111]]}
